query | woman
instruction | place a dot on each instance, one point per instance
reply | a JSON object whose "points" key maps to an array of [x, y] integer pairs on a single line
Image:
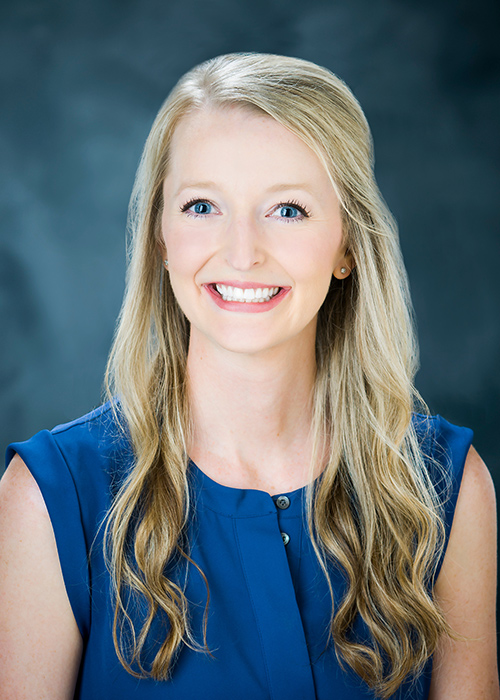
{"points": [[257, 512]]}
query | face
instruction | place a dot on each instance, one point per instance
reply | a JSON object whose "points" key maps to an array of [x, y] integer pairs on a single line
{"points": [[251, 229]]}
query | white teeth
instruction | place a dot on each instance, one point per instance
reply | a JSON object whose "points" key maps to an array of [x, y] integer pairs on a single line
{"points": [[259, 295]]}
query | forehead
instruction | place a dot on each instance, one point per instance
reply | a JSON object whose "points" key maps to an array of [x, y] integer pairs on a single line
{"points": [[229, 123], [234, 140]]}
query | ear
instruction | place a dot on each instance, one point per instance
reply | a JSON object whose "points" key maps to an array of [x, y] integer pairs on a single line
{"points": [[162, 251], [344, 267]]}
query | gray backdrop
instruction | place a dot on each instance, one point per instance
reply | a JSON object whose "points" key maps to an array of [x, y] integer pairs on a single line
{"points": [[81, 84]]}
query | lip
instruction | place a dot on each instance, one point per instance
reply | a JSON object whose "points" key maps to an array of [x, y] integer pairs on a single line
{"points": [[251, 307]]}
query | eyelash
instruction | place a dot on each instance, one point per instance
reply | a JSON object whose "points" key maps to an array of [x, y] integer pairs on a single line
{"points": [[291, 203]]}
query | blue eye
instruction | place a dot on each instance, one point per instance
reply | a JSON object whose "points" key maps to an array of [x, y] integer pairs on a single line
{"points": [[292, 211], [288, 212], [202, 208], [197, 207]]}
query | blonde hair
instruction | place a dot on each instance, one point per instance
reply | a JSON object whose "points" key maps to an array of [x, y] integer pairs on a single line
{"points": [[374, 511]]}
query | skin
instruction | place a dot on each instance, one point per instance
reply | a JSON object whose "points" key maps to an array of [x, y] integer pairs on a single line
{"points": [[466, 591], [40, 645], [250, 381]]}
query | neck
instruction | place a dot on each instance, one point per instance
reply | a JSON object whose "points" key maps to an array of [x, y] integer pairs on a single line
{"points": [[252, 415]]}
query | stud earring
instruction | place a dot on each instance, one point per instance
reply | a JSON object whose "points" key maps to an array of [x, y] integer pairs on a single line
{"points": [[343, 270], [166, 263]]}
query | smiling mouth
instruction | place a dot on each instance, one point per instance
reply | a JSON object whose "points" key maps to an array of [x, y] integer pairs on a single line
{"points": [[258, 295]]}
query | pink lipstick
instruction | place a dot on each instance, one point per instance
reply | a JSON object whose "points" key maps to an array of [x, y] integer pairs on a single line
{"points": [[245, 297]]}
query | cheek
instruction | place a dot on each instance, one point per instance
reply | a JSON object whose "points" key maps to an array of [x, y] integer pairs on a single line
{"points": [[185, 249], [315, 260], [183, 293], [313, 270]]}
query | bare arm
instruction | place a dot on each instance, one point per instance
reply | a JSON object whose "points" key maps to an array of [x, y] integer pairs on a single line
{"points": [[40, 644], [466, 591]]}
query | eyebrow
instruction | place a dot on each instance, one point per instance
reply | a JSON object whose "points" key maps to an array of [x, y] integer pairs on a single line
{"points": [[275, 188]]}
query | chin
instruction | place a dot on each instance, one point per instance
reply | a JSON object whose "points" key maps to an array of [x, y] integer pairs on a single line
{"points": [[241, 342], [242, 346]]}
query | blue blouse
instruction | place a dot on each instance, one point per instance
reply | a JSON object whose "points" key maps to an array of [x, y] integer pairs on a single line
{"points": [[269, 603]]}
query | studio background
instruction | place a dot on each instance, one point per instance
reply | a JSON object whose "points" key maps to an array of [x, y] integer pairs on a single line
{"points": [[81, 84]]}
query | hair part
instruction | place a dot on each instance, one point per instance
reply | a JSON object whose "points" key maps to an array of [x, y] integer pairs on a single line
{"points": [[374, 510]]}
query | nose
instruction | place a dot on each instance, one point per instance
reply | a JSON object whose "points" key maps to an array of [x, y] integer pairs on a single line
{"points": [[243, 244]]}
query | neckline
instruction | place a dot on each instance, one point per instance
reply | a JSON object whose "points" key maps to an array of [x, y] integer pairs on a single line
{"points": [[242, 502]]}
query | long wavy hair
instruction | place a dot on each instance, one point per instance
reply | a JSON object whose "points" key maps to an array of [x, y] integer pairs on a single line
{"points": [[374, 510]]}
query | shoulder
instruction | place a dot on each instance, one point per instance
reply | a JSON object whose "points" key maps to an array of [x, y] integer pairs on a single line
{"points": [[21, 501], [466, 591], [91, 450], [18, 484], [442, 441], [477, 493], [445, 448], [99, 429]]}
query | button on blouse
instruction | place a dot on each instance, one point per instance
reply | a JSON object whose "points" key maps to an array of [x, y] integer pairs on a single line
{"points": [[282, 502]]}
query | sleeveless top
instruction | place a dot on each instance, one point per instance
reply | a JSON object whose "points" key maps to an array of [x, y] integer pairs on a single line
{"points": [[269, 602]]}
